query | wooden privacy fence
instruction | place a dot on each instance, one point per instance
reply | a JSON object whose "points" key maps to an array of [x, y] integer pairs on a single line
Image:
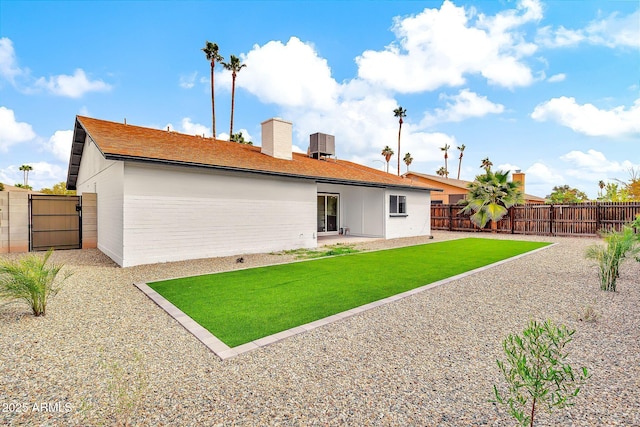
{"points": [[581, 219]]}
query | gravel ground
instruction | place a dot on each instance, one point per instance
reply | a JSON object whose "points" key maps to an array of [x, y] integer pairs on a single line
{"points": [[105, 354]]}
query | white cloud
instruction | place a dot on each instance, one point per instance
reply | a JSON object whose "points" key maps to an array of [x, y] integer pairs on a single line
{"points": [[613, 31], [8, 63], [588, 119], [464, 105], [539, 174], [190, 128], [11, 131], [74, 86], [60, 144], [556, 78], [245, 134], [188, 81], [43, 175], [291, 75], [438, 47], [593, 165]]}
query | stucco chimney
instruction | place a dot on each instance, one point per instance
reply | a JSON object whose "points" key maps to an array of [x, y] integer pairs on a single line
{"points": [[518, 176], [277, 137]]}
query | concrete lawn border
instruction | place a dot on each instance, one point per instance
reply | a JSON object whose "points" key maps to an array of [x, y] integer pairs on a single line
{"points": [[225, 352]]}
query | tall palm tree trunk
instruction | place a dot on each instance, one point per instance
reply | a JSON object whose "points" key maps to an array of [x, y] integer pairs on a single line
{"points": [[399, 130], [213, 105], [233, 99]]}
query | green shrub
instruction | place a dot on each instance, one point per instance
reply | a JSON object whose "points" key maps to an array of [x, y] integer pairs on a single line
{"points": [[619, 246], [30, 280], [536, 372]]}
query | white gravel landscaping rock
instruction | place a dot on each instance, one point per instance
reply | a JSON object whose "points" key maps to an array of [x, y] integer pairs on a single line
{"points": [[106, 354]]}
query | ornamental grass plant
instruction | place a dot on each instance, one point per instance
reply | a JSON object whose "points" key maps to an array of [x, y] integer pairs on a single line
{"points": [[620, 245], [30, 280]]}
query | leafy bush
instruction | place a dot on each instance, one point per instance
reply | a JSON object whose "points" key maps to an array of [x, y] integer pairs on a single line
{"points": [[536, 372], [619, 246], [30, 280]]}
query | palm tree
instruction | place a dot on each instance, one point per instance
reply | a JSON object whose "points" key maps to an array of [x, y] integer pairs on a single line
{"points": [[25, 171], [446, 156], [490, 197], [400, 113], [408, 160], [461, 149], [239, 138], [443, 172], [211, 51], [486, 164], [387, 152], [234, 65]]}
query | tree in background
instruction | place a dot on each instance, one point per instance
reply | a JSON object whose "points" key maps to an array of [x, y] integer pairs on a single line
{"points": [[565, 194], [387, 153], [601, 185], [621, 191], [25, 171], [27, 187], [443, 172], [400, 113], [239, 138], [234, 65], [408, 160], [632, 187], [490, 197], [1, 186], [614, 192], [211, 51], [446, 157], [461, 149], [60, 189], [486, 164]]}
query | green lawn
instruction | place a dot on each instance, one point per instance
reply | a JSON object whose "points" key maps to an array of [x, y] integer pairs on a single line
{"points": [[241, 306]]}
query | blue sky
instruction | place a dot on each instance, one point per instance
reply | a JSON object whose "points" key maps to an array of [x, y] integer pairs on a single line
{"points": [[548, 87]]}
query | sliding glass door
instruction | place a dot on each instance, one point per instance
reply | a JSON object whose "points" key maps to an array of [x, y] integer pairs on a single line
{"points": [[328, 214]]}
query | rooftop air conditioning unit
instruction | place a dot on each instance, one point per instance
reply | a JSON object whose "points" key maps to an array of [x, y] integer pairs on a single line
{"points": [[322, 145]]}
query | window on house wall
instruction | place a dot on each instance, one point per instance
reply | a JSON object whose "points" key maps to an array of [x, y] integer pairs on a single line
{"points": [[397, 205]]}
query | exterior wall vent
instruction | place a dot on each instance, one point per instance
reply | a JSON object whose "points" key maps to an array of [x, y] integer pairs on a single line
{"points": [[322, 145]]}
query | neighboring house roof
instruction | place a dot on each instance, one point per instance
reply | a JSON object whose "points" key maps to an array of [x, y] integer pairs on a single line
{"points": [[440, 179], [8, 187], [459, 183], [118, 141]]}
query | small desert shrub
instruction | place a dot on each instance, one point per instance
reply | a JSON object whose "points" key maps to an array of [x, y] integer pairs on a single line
{"points": [[587, 314], [536, 372], [30, 280], [619, 245], [128, 386]]}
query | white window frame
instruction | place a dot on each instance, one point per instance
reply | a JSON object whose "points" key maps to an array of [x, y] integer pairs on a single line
{"points": [[397, 205]]}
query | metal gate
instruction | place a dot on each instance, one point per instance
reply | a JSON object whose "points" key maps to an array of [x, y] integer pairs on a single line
{"points": [[54, 222]]}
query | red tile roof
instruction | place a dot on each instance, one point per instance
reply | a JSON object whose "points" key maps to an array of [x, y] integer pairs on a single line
{"points": [[118, 141]]}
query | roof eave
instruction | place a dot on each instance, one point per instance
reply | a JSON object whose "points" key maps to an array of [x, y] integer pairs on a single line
{"points": [[325, 180], [77, 147]]}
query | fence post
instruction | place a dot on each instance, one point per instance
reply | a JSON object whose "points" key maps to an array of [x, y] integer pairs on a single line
{"points": [[511, 218], [598, 218], [450, 218], [551, 218]]}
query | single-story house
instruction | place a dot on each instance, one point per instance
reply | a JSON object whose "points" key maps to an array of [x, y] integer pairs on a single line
{"points": [[454, 190], [165, 196]]}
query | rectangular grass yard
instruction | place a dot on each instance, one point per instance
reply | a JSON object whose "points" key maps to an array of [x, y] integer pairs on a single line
{"points": [[244, 305]]}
